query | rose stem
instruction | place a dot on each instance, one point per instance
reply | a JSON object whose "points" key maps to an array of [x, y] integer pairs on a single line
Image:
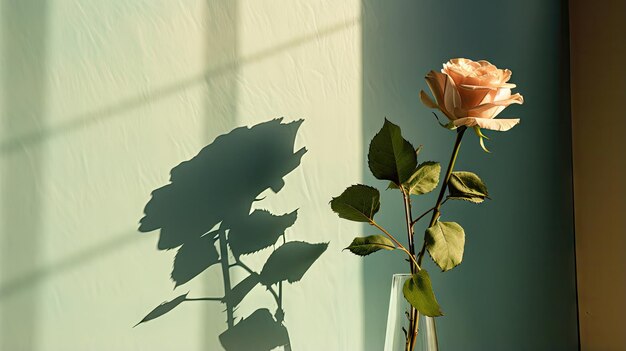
{"points": [[436, 212], [414, 268]]}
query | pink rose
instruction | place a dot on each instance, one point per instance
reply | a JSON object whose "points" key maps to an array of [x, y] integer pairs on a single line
{"points": [[472, 94]]}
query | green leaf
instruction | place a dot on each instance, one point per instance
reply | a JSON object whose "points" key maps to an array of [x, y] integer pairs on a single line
{"points": [[364, 246], [424, 179], [390, 156], [419, 292], [357, 203], [163, 309], [472, 199], [445, 242], [290, 262], [467, 186]]}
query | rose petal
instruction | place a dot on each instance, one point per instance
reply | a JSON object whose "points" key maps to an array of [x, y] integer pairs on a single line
{"points": [[426, 100], [490, 86], [459, 61], [492, 109], [479, 81], [477, 87], [457, 76], [501, 125], [473, 96], [451, 98], [510, 99], [437, 84], [501, 94], [506, 75]]}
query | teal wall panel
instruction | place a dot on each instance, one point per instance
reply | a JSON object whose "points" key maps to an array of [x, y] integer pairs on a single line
{"points": [[515, 289]]}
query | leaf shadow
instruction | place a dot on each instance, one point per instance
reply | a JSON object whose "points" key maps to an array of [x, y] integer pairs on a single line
{"points": [[205, 213]]}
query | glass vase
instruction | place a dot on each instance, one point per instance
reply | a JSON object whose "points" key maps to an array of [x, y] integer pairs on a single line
{"points": [[398, 322]]}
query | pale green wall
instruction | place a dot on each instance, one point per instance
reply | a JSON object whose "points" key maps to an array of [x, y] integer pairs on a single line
{"points": [[100, 99], [515, 289]]}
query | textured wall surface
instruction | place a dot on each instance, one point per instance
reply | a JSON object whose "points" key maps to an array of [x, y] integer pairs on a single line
{"points": [[100, 99]]}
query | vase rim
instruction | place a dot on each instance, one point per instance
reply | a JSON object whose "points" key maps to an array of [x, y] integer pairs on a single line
{"points": [[401, 274]]}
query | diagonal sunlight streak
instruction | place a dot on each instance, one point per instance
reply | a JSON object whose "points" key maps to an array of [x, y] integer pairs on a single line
{"points": [[90, 118], [49, 269]]}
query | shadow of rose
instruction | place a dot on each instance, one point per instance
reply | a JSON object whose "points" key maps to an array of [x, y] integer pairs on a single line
{"points": [[205, 212]]}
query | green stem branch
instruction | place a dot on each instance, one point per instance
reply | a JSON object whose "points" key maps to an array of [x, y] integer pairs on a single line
{"points": [[400, 246], [421, 216]]}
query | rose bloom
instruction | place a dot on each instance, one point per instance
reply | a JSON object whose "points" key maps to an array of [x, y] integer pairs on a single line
{"points": [[472, 94]]}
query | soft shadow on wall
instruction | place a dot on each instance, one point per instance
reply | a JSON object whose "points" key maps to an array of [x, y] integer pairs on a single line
{"points": [[205, 213]]}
